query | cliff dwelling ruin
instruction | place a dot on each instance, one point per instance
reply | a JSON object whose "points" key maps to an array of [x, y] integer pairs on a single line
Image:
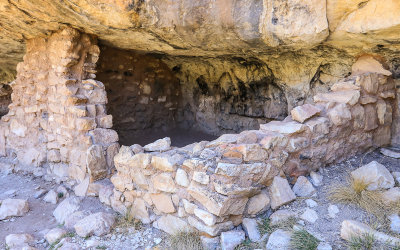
{"points": [[204, 121]]}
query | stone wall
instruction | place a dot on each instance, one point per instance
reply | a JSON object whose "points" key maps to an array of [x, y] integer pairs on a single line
{"points": [[142, 91], [212, 186], [56, 124]]}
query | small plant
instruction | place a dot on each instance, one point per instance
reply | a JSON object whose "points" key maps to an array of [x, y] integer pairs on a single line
{"points": [[101, 247], [185, 241], [363, 242], [128, 220], [60, 195], [303, 240], [248, 245], [355, 192], [265, 225]]}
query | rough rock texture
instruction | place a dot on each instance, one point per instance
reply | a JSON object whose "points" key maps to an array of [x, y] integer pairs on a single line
{"points": [[55, 104], [217, 190], [300, 46]]}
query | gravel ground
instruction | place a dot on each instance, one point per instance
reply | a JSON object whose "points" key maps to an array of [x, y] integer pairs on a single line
{"points": [[40, 217]]}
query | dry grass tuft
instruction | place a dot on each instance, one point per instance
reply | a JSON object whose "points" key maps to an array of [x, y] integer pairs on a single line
{"points": [[264, 226], [185, 241], [128, 220], [355, 192]]}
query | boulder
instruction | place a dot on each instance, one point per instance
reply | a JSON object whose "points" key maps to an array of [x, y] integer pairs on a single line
{"points": [[13, 207], [250, 226], [231, 239], [54, 235], [304, 112], [71, 220], [375, 175], [280, 192], [303, 187], [279, 239], [19, 241], [98, 224], [159, 146], [66, 208], [258, 203]]}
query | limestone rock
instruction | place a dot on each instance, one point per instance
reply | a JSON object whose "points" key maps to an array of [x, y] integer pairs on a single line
{"points": [[201, 177], [189, 207], [159, 146], [340, 114], [163, 203], [303, 187], [54, 234], [324, 246], [181, 178], [105, 193], [280, 192], [332, 211], [279, 239], [351, 228], [316, 178], [304, 112], [104, 136], [250, 226], [223, 139], [210, 243], [208, 218], [390, 153], [164, 182], [281, 215], [66, 208], [19, 240], [375, 175], [210, 230], [171, 224], [391, 195], [98, 224], [283, 127], [231, 239], [13, 207], [394, 223], [311, 203], [343, 97], [51, 197], [368, 64], [309, 215], [139, 211], [71, 220], [258, 203], [96, 162]]}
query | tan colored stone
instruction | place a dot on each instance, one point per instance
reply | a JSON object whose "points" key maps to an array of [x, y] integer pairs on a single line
{"points": [[208, 218], [139, 211], [375, 175], [371, 119], [258, 203], [346, 97], [251, 152], [351, 229], [340, 114], [280, 192], [13, 207], [345, 85], [368, 64], [283, 127], [210, 230], [171, 224], [273, 139], [304, 112], [164, 182], [163, 162], [159, 145], [391, 195], [104, 136], [189, 207], [111, 152], [163, 203]]}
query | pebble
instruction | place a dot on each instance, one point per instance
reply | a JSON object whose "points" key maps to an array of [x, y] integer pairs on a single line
{"points": [[311, 203], [332, 211]]}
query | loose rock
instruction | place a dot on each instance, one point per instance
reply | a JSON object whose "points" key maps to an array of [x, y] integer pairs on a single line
{"points": [[13, 207], [159, 145], [280, 192], [19, 240], [250, 226], [51, 197], [332, 211], [279, 239], [97, 224], [66, 208], [231, 239], [54, 234], [303, 187], [375, 175], [309, 215]]}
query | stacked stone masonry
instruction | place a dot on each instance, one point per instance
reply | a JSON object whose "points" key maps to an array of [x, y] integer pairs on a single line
{"points": [[212, 186], [57, 124]]}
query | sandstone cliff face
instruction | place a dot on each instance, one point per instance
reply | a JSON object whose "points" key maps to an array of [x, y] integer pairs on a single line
{"points": [[267, 30]]}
